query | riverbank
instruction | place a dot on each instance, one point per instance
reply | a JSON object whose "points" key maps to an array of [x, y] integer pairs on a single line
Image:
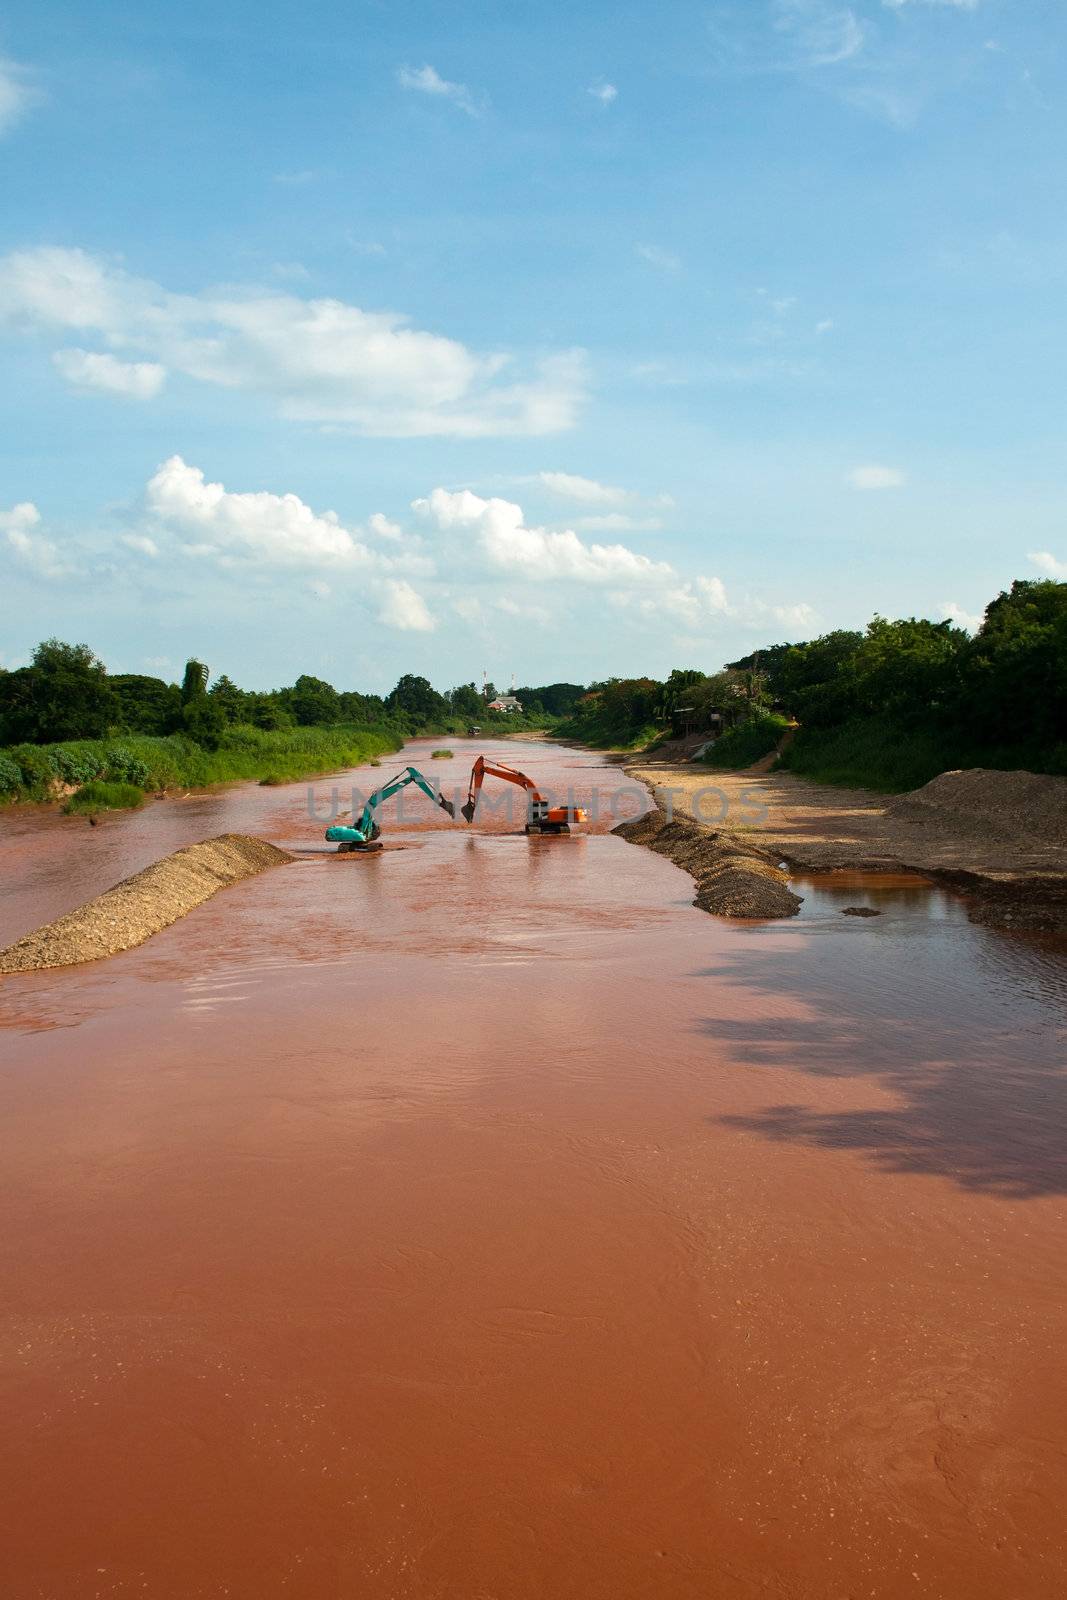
{"points": [[55, 772], [997, 836]]}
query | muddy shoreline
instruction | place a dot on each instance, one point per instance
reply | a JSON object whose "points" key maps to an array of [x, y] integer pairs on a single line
{"points": [[1012, 879]]}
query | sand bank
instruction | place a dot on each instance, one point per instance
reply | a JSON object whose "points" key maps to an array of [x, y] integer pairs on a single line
{"points": [[998, 836], [133, 910]]}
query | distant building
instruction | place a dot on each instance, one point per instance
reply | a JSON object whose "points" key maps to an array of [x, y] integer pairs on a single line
{"points": [[506, 703]]}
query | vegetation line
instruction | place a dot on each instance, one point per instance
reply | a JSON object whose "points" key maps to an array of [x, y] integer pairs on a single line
{"points": [[887, 709]]}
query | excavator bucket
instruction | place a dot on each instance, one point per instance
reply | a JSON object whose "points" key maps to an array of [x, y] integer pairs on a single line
{"points": [[446, 805], [467, 811]]}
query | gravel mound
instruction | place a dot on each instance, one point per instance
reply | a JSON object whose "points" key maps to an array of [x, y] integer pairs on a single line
{"points": [[731, 882], [1007, 805], [133, 910]]}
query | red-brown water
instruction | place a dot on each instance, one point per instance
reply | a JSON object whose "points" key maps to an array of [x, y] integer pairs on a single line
{"points": [[480, 1220]]}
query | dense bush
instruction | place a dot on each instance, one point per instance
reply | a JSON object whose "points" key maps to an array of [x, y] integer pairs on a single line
{"points": [[76, 763], [122, 766], [37, 766], [10, 775], [739, 747]]}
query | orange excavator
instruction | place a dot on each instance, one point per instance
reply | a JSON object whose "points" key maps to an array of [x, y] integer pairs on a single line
{"points": [[541, 817]]}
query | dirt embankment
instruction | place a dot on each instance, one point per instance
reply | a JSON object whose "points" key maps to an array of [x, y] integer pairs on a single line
{"points": [[731, 880], [133, 910], [999, 836]]}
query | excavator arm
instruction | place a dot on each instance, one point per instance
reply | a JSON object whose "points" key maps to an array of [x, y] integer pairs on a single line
{"points": [[363, 831]]}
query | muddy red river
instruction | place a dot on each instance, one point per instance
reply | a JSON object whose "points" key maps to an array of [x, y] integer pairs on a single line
{"points": [[480, 1221]]}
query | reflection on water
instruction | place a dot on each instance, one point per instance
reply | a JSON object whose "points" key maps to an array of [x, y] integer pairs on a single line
{"points": [[478, 1218]]}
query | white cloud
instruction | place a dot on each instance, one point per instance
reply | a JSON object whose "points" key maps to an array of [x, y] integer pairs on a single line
{"points": [[39, 554], [606, 93], [657, 257], [875, 477], [401, 607], [818, 34], [20, 518], [277, 529], [93, 369], [17, 94], [951, 612], [427, 80], [495, 534], [1047, 563], [510, 546], [142, 544], [320, 360], [383, 528], [824, 326], [527, 612], [570, 486], [262, 531], [800, 615]]}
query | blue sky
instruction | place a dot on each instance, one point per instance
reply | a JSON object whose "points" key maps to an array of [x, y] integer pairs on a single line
{"points": [[565, 341]]}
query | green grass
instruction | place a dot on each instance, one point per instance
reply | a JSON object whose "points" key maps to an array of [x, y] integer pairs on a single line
{"points": [[874, 754], [441, 755], [868, 755], [28, 772], [99, 796], [600, 735], [747, 743]]}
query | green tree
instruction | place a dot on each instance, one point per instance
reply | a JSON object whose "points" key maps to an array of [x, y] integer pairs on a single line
{"points": [[677, 690], [816, 680], [909, 670], [313, 702], [203, 720], [770, 661], [466, 701], [229, 698], [268, 711], [416, 699], [1015, 669], [194, 683], [63, 694], [146, 705], [557, 699], [361, 708]]}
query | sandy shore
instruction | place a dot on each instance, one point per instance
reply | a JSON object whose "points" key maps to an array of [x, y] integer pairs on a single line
{"points": [[1015, 877]]}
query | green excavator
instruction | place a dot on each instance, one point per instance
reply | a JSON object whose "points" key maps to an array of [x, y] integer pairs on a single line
{"points": [[364, 834]]}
